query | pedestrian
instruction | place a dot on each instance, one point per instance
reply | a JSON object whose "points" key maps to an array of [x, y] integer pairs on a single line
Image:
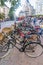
{"points": [[35, 20]]}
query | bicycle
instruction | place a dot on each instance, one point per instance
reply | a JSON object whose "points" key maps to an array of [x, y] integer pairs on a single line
{"points": [[6, 32], [39, 31], [3, 45], [31, 47]]}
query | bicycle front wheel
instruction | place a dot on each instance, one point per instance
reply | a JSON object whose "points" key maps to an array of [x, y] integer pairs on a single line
{"points": [[34, 50]]}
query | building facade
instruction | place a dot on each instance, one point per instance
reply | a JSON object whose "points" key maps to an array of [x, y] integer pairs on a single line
{"points": [[39, 7], [25, 7], [4, 10]]}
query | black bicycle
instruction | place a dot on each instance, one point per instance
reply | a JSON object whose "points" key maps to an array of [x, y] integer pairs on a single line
{"points": [[31, 48]]}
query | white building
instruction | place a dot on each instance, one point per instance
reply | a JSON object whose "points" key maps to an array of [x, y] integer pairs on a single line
{"points": [[31, 10], [25, 7], [39, 7]]}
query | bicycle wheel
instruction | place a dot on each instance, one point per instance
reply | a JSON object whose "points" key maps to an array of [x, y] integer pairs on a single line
{"points": [[5, 48], [34, 50], [4, 51]]}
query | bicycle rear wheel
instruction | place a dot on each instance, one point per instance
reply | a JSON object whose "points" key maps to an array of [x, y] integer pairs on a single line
{"points": [[4, 51], [5, 48], [34, 50]]}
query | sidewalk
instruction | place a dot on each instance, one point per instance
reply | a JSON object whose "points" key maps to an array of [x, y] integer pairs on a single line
{"points": [[19, 58]]}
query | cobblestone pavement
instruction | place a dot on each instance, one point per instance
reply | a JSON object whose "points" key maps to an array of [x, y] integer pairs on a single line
{"points": [[19, 58]]}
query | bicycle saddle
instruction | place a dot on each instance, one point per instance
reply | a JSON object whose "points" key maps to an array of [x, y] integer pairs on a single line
{"points": [[6, 30]]}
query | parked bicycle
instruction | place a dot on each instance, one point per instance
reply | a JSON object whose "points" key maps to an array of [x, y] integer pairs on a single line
{"points": [[30, 45], [27, 37], [39, 30]]}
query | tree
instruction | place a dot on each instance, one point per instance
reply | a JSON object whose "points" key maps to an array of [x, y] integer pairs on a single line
{"points": [[2, 2], [2, 16], [11, 13], [13, 5], [13, 2]]}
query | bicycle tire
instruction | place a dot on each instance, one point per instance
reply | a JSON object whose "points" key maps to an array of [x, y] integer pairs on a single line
{"points": [[4, 51], [5, 48], [38, 49]]}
